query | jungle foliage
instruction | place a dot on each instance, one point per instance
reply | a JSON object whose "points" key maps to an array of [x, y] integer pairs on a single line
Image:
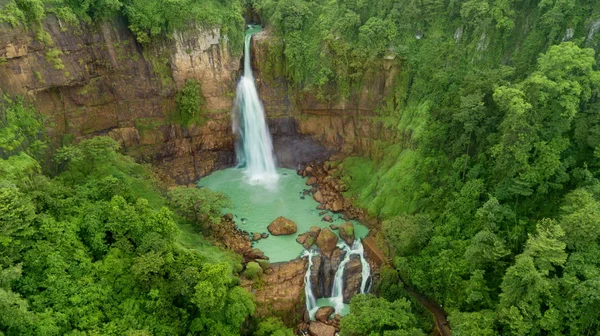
{"points": [[147, 19], [96, 250], [490, 199]]}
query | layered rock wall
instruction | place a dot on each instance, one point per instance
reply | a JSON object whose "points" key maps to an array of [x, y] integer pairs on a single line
{"points": [[97, 80]]}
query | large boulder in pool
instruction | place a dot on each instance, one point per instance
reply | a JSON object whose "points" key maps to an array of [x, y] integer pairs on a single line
{"points": [[282, 226], [323, 313], [347, 233], [327, 241]]}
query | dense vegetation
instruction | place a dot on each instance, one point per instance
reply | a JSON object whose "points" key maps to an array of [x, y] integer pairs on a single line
{"points": [[95, 250], [147, 19], [491, 202]]}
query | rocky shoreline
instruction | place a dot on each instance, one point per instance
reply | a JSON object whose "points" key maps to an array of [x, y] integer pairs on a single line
{"points": [[279, 290]]}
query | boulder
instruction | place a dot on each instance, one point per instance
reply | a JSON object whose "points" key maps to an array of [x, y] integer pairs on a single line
{"points": [[228, 217], [318, 196], [308, 170], [327, 241], [327, 218], [315, 276], [311, 180], [317, 328], [323, 313], [264, 235], [306, 239], [315, 230], [256, 236], [333, 226], [347, 233], [282, 226], [337, 205]]}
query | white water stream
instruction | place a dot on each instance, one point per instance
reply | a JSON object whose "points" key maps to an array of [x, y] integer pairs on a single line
{"points": [[337, 297]]}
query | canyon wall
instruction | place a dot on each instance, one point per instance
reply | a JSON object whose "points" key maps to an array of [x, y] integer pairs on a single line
{"points": [[97, 80]]}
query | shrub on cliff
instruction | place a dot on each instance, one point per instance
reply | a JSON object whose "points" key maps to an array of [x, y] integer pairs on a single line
{"points": [[189, 103], [253, 271]]}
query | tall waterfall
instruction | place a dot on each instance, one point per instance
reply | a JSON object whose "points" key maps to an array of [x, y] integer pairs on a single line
{"points": [[254, 148]]}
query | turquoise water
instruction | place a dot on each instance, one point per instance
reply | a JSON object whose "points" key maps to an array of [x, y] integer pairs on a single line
{"points": [[255, 206]]}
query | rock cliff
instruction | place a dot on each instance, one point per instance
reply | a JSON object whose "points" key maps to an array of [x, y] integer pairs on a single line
{"points": [[97, 80]]}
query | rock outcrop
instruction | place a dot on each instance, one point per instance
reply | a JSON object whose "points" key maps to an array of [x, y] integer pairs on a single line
{"points": [[282, 226], [352, 278], [317, 328], [281, 292]]}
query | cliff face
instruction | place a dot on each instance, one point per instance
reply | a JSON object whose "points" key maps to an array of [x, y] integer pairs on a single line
{"points": [[97, 80], [344, 125]]}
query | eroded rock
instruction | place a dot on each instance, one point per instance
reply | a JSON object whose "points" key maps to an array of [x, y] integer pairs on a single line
{"points": [[352, 278]]}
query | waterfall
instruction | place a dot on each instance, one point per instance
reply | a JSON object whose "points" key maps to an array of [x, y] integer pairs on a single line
{"points": [[311, 301], [337, 293], [254, 148]]}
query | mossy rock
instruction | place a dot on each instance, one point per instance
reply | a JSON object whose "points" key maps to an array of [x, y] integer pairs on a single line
{"points": [[253, 271], [347, 233], [264, 264]]}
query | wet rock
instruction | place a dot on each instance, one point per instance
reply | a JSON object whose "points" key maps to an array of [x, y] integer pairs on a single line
{"points": [[256, 236], [326, 241], [323, 313], [347, 233], [320, 207], [327, 218], [264, 235], [306, 239], [329, 268], [352, 278], [318, 196], [302, 197], [315, 276], [323, 213], [333, 226], [228, 217], [282, 226], [308, 170], [311, 180], [320, 329], [337, 317], [306, 192]]}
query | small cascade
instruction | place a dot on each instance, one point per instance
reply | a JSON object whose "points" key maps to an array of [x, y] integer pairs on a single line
{"points": [[337, 296], [311, 301], [254, 148]]}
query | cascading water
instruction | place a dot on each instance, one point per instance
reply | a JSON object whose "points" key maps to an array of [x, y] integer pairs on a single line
{"points": [[254, 148], [311, 301], [337, 293], [337, 297]]}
